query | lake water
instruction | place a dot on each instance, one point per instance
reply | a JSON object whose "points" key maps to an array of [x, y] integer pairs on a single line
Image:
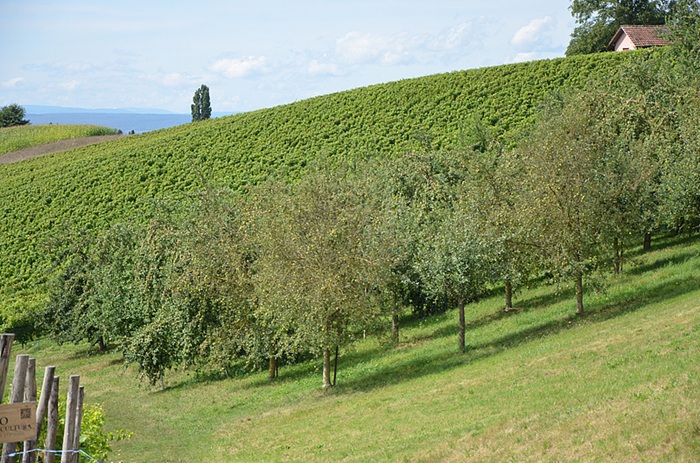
{"points": [[126, 122]]}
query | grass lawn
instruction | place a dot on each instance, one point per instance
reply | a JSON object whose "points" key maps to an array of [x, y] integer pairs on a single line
{"points": [[621, 383], [25, 136]]}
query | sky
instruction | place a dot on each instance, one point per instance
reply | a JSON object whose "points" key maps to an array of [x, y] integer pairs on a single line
{"points": [[255, 54]]}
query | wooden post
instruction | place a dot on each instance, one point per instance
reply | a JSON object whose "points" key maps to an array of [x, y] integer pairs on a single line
{"points": [[30, 396], [41, 408], [78, 422], [43, 404], [17, 396], [5, 349], [52, 422], [71, 412]]}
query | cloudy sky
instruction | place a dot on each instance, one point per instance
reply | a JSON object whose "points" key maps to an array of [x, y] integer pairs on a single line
{"points": [[255, 54]]}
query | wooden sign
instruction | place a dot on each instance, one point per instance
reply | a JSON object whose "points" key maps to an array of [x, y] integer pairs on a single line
{"points": [[18, 422]]}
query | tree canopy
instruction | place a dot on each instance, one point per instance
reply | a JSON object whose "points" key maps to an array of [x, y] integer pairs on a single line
{"points": [[12, 115]]}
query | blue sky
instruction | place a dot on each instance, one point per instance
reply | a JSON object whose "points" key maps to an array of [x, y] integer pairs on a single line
{"points": [[255, 54]]}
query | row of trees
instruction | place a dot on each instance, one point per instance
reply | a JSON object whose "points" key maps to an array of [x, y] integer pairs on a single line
{"points": [[293, 269]]}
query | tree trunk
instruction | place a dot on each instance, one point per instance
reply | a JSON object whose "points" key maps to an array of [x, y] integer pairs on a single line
{"points": [[462, 324], [622, 257], [395, 328], [647, 242], [327, 368], [617, 258], [272, 370], [579, 292], [101, 345], [335, 366], [509, 295]]}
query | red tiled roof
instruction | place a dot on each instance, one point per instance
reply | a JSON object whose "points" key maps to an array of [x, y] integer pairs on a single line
{"points": [[644, 36]]}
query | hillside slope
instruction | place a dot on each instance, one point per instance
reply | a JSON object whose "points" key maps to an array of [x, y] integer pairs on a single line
{"points": [[55, 147], [540, 384], [93, 187]]}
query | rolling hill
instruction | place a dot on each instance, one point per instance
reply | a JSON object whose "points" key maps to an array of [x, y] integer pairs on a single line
{"points": [[93, 187], [539, 384]]}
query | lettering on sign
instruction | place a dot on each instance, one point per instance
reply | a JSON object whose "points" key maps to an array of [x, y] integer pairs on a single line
{"points": [[17, 422]]}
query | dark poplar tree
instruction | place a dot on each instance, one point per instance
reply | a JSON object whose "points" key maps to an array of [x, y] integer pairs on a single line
{"points": [[201, 104]]}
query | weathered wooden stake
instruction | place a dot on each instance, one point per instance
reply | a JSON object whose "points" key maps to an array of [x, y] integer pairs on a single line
{"points": [[17, 396], [78, 421], [42, 406], [30, 396], [5, 349], [71, 412], [52, 422]]}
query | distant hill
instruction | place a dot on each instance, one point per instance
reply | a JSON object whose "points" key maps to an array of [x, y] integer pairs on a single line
{"points": [[140, 120], [45, 109], [126, 122], [94, 187]]}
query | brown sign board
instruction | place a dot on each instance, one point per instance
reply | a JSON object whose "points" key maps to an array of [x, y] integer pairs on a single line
{"points": [[17, 422]]}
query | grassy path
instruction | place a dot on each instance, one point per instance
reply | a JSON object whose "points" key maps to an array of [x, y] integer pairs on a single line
{"points": [[55, 147]]}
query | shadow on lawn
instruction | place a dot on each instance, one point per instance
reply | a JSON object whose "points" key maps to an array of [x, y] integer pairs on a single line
{"points": [[676, 259], [410, 368]]}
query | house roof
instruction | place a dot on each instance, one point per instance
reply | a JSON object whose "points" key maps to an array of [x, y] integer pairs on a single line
{"points": [[642, 36]]}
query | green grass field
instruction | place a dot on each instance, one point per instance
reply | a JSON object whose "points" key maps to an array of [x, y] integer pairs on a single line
{"points": [[621, 383], [25, 136]]}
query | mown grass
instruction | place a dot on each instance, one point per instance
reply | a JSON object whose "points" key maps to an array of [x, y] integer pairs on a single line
{"points": [[620, 383], [25, 136]]}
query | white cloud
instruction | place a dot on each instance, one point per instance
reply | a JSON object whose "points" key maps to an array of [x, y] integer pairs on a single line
{"points": [[455, 36], [523, 57], [235, 68], [537, 32], [356, 47], [363, 48], [70, 85], [12, 82], [320, 69]]}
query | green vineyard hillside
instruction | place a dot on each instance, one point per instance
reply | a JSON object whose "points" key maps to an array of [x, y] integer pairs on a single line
{"points": [[92, 187]]}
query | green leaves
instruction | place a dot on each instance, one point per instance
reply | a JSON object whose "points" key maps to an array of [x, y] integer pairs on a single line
{"points": [[12, 115]]}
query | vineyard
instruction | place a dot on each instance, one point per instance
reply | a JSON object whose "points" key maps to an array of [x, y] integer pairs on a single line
{"points": [[93, 187]]}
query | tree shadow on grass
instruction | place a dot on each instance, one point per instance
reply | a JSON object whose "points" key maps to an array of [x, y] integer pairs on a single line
{"points": [[424, 365], [676, 259], [546, 300]]}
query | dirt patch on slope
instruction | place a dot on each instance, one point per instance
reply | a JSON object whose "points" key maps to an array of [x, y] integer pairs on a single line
{"points": [[50, 148]]}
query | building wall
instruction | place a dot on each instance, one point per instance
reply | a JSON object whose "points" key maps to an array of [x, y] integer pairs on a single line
{"points": [[624, 43]]}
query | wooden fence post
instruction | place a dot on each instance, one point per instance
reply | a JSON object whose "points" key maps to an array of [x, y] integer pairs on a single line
{"points": [[52, 422], [5, 349], [78, 422], [30, 396], [71, 412], [41, 408], [17, 396]]}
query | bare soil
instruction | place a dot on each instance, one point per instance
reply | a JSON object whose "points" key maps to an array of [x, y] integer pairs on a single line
{"points": [[50, 148]]}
